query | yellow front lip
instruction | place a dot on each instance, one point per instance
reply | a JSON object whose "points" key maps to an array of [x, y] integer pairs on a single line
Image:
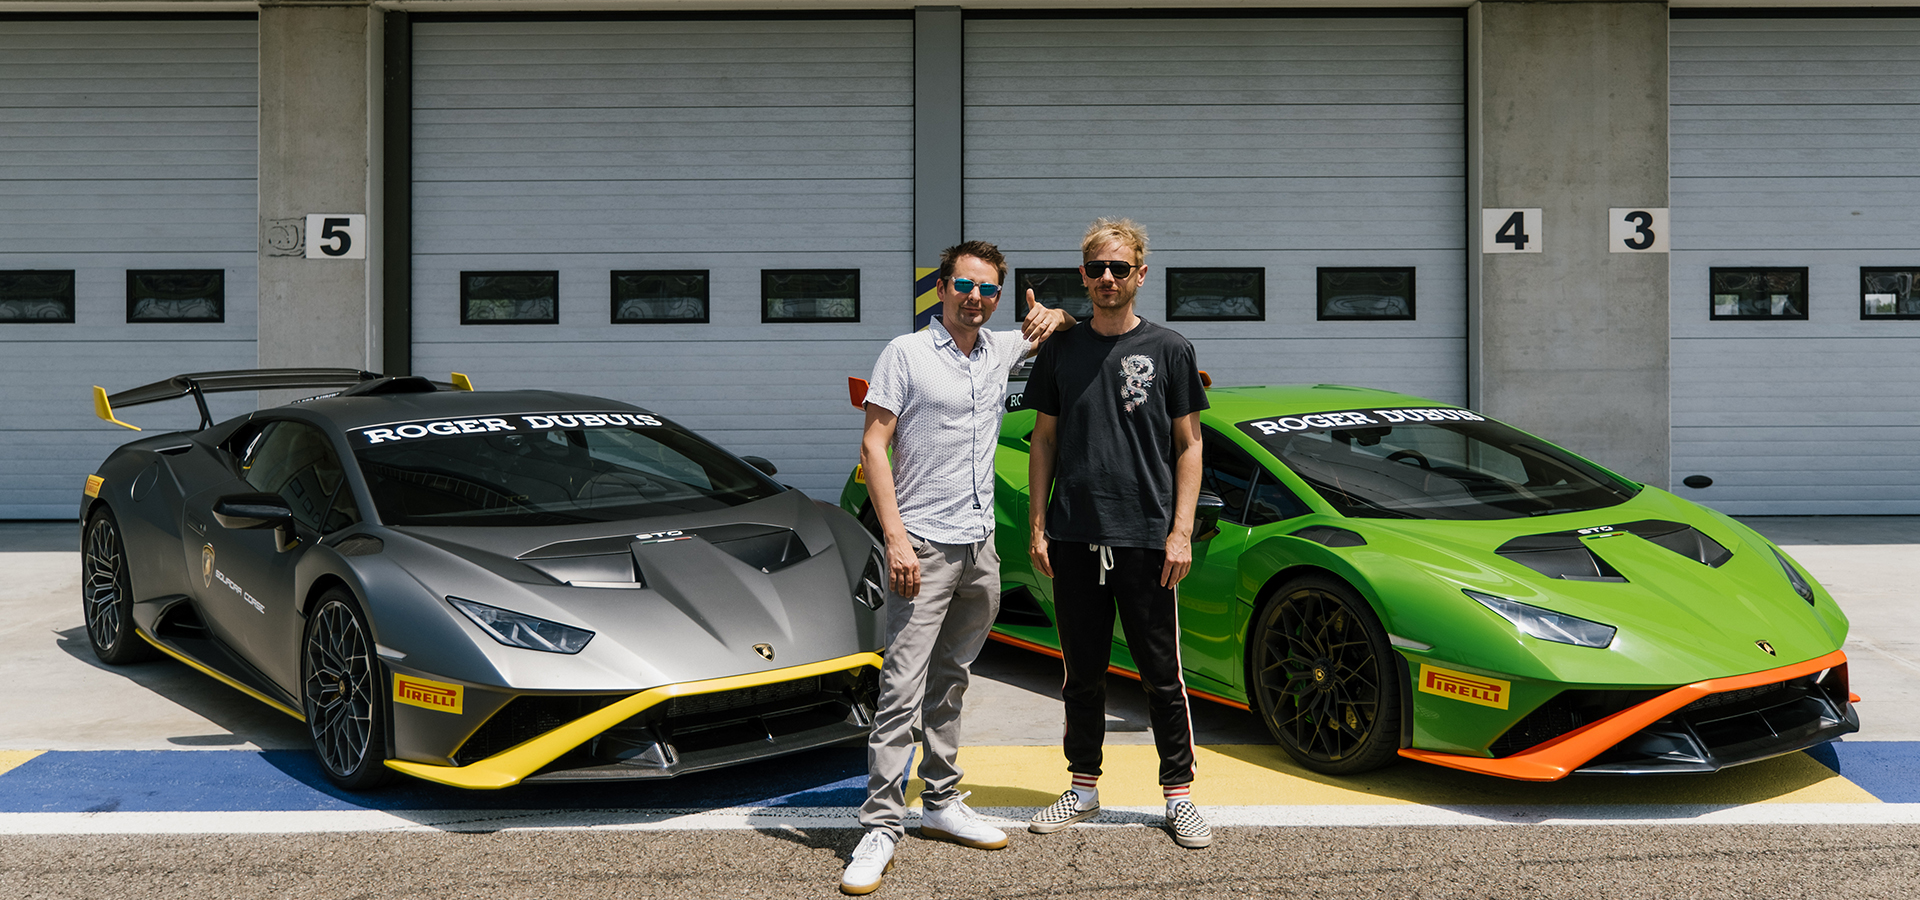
{"points": [[509, 766]]}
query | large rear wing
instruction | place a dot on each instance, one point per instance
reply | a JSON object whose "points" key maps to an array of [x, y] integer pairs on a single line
{"points": [[199, 384]]}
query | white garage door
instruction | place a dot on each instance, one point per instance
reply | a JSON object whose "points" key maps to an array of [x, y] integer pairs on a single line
{"points": [[726, 147], [1793, 149], [1284, 144], [125, 145]]}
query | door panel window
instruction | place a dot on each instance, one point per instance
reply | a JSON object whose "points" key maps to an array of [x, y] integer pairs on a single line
{"points": [[296, 461]]}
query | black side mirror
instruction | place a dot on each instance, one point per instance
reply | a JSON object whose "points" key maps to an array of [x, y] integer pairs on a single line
{"points": [[243, 512], [1206, 515], [761, 463]]}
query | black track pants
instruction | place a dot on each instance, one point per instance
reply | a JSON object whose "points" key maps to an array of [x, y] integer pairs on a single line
{"points": [[1150, 618]]}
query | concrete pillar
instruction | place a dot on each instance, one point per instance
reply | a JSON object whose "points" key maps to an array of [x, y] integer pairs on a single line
{"points": [[318, 134], [1567, 112]]}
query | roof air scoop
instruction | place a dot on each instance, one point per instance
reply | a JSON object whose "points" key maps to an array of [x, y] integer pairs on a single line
{"points": [[1559, 555], [1685, 540]]}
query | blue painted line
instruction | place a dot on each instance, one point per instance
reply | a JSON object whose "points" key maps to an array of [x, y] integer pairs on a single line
{"points": [[1885, 769], [232, 780]]}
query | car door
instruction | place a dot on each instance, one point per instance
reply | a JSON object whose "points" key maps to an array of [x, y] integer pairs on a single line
{"points": [[252, 588], [1210, 613]]}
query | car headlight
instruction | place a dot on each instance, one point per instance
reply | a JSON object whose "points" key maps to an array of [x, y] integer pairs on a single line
{"points": [[1546, 624], [521, 630], [1800, 585], [872, 589]]}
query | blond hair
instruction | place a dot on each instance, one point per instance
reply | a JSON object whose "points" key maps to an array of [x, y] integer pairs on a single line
{"points": [[1105, 231]]}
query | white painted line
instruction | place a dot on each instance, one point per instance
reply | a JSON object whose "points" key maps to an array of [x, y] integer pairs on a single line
{"points": [[782, 818]]}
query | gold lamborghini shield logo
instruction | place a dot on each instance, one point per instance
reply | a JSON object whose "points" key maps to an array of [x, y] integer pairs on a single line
{"points": [[206, 566], [1765, 646], [765, 651]]}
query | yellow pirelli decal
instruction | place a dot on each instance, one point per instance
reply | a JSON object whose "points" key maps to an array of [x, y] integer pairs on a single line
{"points": [[1467, 688], [93, 485], [859, 474], [425, 693]]}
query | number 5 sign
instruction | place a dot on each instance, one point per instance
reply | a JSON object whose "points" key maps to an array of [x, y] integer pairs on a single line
{"points": [[1637, 230], [1510, 231], [336, 236]]}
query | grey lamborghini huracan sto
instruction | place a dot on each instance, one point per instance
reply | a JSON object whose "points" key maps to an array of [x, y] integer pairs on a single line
{"points": [[483, 588]]}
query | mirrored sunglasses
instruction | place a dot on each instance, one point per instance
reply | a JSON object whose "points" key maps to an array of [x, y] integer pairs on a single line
{"points": [[988, 289]]}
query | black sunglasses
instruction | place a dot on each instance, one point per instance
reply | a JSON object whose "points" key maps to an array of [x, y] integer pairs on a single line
{"points": [[988, 289], [1098, 267]]}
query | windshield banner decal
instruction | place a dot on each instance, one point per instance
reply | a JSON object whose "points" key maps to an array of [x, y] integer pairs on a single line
{"points": [[516, 422], [1356, 418]]}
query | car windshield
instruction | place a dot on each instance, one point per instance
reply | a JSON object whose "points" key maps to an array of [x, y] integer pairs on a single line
{"points": [[501, 471], [1438, 463]]}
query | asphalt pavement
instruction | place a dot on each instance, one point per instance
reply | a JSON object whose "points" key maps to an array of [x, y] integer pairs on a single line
{"points": [[154, 781]]}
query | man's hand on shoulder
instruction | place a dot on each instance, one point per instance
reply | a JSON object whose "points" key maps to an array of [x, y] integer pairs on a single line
{"points": [[1041, 323]]}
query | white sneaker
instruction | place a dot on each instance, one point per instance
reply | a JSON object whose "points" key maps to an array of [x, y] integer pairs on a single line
{"points": [[871, 859], [957, 822]]}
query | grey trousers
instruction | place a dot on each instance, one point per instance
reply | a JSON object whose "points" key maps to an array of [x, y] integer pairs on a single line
{"points": [[932, 641]]}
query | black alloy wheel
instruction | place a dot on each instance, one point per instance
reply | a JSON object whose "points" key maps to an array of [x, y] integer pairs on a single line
{"points": [[106, 594], [1324, 679], [344, 694]]}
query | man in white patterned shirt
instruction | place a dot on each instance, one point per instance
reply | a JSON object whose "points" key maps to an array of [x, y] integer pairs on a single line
{"points": [[935, 397]]}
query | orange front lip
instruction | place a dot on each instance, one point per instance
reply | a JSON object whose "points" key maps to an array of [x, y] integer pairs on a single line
{"points": [[1557, 758]]}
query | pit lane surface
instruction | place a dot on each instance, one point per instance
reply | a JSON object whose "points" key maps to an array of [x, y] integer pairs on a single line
{"points": [[153, 780]]}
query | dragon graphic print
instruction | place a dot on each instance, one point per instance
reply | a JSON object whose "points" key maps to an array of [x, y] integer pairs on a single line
{"points": [[1138, 372]]}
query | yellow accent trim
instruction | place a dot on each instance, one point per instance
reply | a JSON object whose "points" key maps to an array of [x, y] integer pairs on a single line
{"points": [[104, 410], [509, 766], [14, 759], [93, 485], [461, 381], [217, 676]]}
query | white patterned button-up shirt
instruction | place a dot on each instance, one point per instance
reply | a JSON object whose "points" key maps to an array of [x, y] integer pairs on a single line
{"points": [[949, 408]]}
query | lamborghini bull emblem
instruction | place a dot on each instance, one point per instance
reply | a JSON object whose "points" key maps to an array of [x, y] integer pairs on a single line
{"points": [[206, 566], [1763, 645], [765, 651]]}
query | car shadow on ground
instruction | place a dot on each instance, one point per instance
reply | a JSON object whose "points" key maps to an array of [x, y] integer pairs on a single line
{"points": [[245, 720]]}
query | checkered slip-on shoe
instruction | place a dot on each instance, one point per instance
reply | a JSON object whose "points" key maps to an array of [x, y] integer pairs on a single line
{"points": [[1188, 826], [1064, 812]]}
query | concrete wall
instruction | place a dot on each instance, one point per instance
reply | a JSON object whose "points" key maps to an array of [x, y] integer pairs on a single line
{"points": [[317, 134], [1567, 112]]}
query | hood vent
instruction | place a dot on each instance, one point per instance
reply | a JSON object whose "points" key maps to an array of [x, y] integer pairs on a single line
{"points": [[1559, 555], [768, 548], [1685, 540]]}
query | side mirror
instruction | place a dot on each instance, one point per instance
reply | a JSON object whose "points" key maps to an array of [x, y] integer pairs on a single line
{"points": [[761, 463], [243, 512], [1206, 515]]}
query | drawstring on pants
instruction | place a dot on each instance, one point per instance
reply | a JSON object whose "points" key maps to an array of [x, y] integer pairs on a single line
{"points": [[1106, 560]]}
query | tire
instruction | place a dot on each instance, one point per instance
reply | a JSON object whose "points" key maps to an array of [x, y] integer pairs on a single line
{"points": [[1323, 679], [106, 594], [343, 694]]}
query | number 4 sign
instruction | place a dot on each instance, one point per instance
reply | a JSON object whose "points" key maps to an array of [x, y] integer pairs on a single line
{"points": [[1510, 231], [336, 236]]}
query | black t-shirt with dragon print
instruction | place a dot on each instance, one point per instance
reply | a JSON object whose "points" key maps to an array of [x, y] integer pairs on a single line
{"points": [[1116, 399]]}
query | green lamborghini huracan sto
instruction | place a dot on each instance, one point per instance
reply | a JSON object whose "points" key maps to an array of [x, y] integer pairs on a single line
{"points": [[1379, 576]]}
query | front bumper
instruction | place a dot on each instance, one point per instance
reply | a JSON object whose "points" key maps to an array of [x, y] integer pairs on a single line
{"points": [[622, 741], [1701, 727]]}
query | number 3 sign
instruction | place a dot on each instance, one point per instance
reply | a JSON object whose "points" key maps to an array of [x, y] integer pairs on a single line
{"points": [[1637, 230], [1511, 231], [336, 236]]}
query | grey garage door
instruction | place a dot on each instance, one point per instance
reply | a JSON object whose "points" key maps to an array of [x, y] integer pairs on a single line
{"points": [[124, 145], [1286, 144], [1793, 149], [729, 147]]}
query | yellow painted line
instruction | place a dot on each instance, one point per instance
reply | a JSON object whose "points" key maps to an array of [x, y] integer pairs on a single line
{"points": [[14, 759], [1263, 775]]}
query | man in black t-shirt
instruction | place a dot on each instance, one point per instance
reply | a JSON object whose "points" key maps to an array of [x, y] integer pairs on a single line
{"points": [[1115, 474]]}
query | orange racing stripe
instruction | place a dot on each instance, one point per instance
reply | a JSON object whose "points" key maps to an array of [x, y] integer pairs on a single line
{"points": [[1557, 758]]}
